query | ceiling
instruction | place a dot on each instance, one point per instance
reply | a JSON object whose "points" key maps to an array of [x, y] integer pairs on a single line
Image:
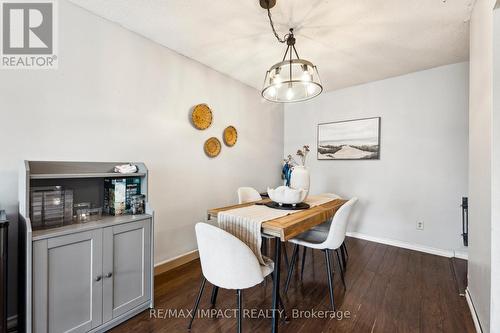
{"points": [[351, 41]]}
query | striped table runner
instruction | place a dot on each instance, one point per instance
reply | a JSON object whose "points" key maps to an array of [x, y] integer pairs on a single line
{"points": [[245, 223]]}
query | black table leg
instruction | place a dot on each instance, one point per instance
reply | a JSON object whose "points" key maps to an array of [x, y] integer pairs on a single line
{"points": [[276, 286]]}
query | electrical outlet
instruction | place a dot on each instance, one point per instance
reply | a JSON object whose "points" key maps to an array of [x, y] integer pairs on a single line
{"points": [[420, 225]]}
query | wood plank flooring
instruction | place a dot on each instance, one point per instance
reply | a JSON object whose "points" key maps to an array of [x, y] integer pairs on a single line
{"points": [[389, 289]]}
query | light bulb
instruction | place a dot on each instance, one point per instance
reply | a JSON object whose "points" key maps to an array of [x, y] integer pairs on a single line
{"points": [[306, 76], [276, 80], [311, 88], [289, 94], [271, 91]]}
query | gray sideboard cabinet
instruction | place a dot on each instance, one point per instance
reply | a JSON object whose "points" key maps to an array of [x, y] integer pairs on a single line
{"points": [[85, 277]]}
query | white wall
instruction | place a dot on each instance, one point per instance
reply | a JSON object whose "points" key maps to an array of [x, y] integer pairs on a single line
{"points": [[495, 200], [480, 116], [118, 96], [422, 172]]}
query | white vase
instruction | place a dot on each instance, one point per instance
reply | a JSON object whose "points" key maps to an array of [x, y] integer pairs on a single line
{"points": [[300, 178]]}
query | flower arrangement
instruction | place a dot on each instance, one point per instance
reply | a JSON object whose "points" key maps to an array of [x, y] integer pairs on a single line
{"points": [[303, 154], [289, 163]]}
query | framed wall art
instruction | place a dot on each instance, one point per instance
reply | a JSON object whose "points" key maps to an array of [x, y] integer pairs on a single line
{"points": [[357, 139]]}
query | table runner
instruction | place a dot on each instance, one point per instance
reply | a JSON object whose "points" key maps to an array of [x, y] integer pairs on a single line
{"points": [[245, 222]]}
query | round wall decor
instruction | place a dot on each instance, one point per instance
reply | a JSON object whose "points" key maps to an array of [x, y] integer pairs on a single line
{"points": [[201, 116], [212, 147], [230, 136]]}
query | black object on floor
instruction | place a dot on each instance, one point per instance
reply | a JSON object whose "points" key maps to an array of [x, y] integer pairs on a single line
{"points": [[298, 206], [4, 227]]}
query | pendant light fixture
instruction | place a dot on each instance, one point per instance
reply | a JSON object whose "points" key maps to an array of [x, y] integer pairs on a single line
{"points": [[292, 79]]}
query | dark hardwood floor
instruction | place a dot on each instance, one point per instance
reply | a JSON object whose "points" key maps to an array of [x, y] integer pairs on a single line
{"points": [[389, 289]]}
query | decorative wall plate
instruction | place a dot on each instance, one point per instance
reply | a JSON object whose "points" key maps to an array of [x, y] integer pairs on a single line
{"points": [[212, 147], [201, 116], [230, 136]]}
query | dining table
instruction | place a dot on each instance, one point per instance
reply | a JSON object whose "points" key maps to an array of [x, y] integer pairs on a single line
{"points": [[283, 229]]}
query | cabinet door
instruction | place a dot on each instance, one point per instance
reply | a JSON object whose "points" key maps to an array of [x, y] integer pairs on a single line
{"points": [[67, 284], [126, 267]]}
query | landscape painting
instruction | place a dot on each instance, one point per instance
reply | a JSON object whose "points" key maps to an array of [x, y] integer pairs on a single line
{"points": [[349, 140]]}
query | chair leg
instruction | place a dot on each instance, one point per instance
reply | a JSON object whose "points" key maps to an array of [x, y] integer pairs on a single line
{"points": [[290, 270], [240, 296], [303, 263], [330, 280], [197, 302], [345, 249], [344, 261], [282, 306], [213, 299], [341, 268]]}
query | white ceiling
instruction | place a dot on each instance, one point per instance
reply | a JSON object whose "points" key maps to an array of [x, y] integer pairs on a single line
{"points": [[351, 41]]}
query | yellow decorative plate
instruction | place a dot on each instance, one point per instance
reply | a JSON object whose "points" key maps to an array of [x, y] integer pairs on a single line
{"points": [[230, 136], [201, 116], [212, 147]]}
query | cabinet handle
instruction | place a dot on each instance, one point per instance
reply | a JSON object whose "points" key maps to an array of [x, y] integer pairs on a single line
{"points": [[109, 275], [98, 278]]}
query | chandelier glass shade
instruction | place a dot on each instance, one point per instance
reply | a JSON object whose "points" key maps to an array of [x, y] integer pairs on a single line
{"points": [[291, 81]]}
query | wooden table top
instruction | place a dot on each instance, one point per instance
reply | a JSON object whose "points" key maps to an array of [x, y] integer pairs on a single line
{"points": [[289, 226]]}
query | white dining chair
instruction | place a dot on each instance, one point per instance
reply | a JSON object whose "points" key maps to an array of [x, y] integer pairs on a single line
{"points": [[331, 241], [325, 227], [248, 194], [228, 263]]}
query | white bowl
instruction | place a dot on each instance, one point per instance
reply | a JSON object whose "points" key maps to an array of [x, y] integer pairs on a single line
{"points": [[287, 195]]}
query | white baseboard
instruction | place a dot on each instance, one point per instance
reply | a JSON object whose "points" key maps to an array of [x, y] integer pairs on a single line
{"points": [[461, 255], [410, 246], [473, 313], [172, 263]]}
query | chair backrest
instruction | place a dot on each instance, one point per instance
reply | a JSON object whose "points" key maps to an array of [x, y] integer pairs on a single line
{"points": [[338, 227], [226, 261], [248, 194], [332, 195]]}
